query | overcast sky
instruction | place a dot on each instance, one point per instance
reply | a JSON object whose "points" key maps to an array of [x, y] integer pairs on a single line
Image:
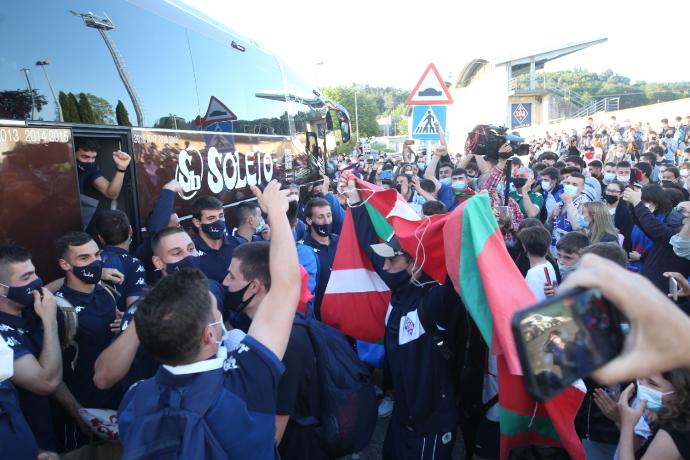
{"points": [[389, 43]]}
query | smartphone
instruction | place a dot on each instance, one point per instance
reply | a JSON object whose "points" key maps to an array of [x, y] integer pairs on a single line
{"points": [[673, 289], [564, 339]]}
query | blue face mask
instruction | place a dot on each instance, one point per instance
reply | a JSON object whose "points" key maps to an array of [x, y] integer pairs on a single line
{"points": [[653, 397], [89, 274], [570, 190], [609, 177], [419, 199], [24, 295], [459, 185], [187, 262], [445, 181], [582, 222], [262, 225], [85, 167], [421, 165], [215, 230]]}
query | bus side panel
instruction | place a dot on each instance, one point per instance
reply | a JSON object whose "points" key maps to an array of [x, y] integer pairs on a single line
{"points": [[39, 198], [212, 164]]}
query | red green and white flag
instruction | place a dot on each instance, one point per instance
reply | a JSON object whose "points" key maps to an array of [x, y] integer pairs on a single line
{"points": [[356, 298], [420, 237], [493, 289]]}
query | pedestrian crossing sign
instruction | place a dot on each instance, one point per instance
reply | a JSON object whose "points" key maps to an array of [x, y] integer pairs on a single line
{"points": [[424, 118]]}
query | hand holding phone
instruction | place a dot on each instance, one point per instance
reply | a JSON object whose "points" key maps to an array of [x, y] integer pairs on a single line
{"points": [[659, 334], [564, 339]]}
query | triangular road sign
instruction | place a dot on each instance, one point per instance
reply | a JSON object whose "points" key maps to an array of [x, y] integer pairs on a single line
{"points": [[217, 111], [430, 89]]}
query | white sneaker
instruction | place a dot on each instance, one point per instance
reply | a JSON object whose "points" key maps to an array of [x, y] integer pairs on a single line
{"points": [[386, 407]]}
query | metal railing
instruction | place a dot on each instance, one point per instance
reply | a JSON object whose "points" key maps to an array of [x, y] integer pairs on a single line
{"points": [[570, 104]]}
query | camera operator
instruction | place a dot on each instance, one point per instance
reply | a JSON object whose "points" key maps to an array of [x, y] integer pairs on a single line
{"points": [[495, 181]]}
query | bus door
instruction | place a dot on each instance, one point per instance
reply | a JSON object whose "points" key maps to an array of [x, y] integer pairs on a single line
{"points": [[106, 141]]}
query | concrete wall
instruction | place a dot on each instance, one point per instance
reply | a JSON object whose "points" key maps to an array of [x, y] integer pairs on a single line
{"points": [[646, 114], [482, 102]]}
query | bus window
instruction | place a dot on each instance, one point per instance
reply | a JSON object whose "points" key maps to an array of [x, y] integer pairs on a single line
{"points": [[78, 70], [234, 75]]}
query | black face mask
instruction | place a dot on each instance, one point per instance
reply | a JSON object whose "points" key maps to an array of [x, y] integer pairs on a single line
{"points": [[322, 230], [233, 300], [214, 230], [610, 199], [89, 274], [85, 167], [398, 187], [187, 262], [505, 155], [317, 195], [519, 182]]}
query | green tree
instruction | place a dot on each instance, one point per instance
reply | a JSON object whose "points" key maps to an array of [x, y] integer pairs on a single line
{"points": [[103, 113], [366, 111], [121, 114], [70, 111], [75, 104], [18, 104], [85, 110], [595, 86]]}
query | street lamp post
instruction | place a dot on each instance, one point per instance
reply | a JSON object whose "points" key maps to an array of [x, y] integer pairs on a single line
{"points": [[103, 25], [31, 91], [43, 65]]}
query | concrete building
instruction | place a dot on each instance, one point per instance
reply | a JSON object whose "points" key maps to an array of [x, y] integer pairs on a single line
{"points": [[514, 93]]}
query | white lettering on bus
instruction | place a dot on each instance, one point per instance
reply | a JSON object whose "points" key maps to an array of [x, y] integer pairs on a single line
{"points": [[224, 171]]}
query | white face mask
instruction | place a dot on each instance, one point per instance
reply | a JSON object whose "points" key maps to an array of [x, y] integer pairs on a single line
{"points": [[546, 185], [684, 173]]}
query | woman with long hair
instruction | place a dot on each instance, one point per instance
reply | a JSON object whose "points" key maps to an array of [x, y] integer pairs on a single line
{"points": [[597, 222], [664, 406]]}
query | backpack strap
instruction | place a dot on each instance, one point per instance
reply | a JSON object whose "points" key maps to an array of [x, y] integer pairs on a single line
{"points": [[432, 329]]}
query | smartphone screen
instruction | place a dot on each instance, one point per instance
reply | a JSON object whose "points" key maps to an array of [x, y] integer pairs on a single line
{"points": [[673, 289], [564, 339]]}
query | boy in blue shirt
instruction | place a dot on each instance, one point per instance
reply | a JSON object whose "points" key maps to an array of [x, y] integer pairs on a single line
{"points": [[179, 324]]}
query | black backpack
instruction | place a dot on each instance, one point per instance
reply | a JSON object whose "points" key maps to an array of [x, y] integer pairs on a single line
{"points": [[348, 404]]}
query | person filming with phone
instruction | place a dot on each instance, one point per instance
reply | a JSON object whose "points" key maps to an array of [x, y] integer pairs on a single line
{"points": [[653, 216]]}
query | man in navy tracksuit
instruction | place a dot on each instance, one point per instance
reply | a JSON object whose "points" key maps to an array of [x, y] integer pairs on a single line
{"points": [[319, 217], [212, 241], [424, 421]]}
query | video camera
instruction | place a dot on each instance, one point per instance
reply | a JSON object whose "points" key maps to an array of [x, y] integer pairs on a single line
{"points": [[485, 140]]}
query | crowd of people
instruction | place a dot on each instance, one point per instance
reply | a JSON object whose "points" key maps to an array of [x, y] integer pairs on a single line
{"points": [[191, 345]]}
